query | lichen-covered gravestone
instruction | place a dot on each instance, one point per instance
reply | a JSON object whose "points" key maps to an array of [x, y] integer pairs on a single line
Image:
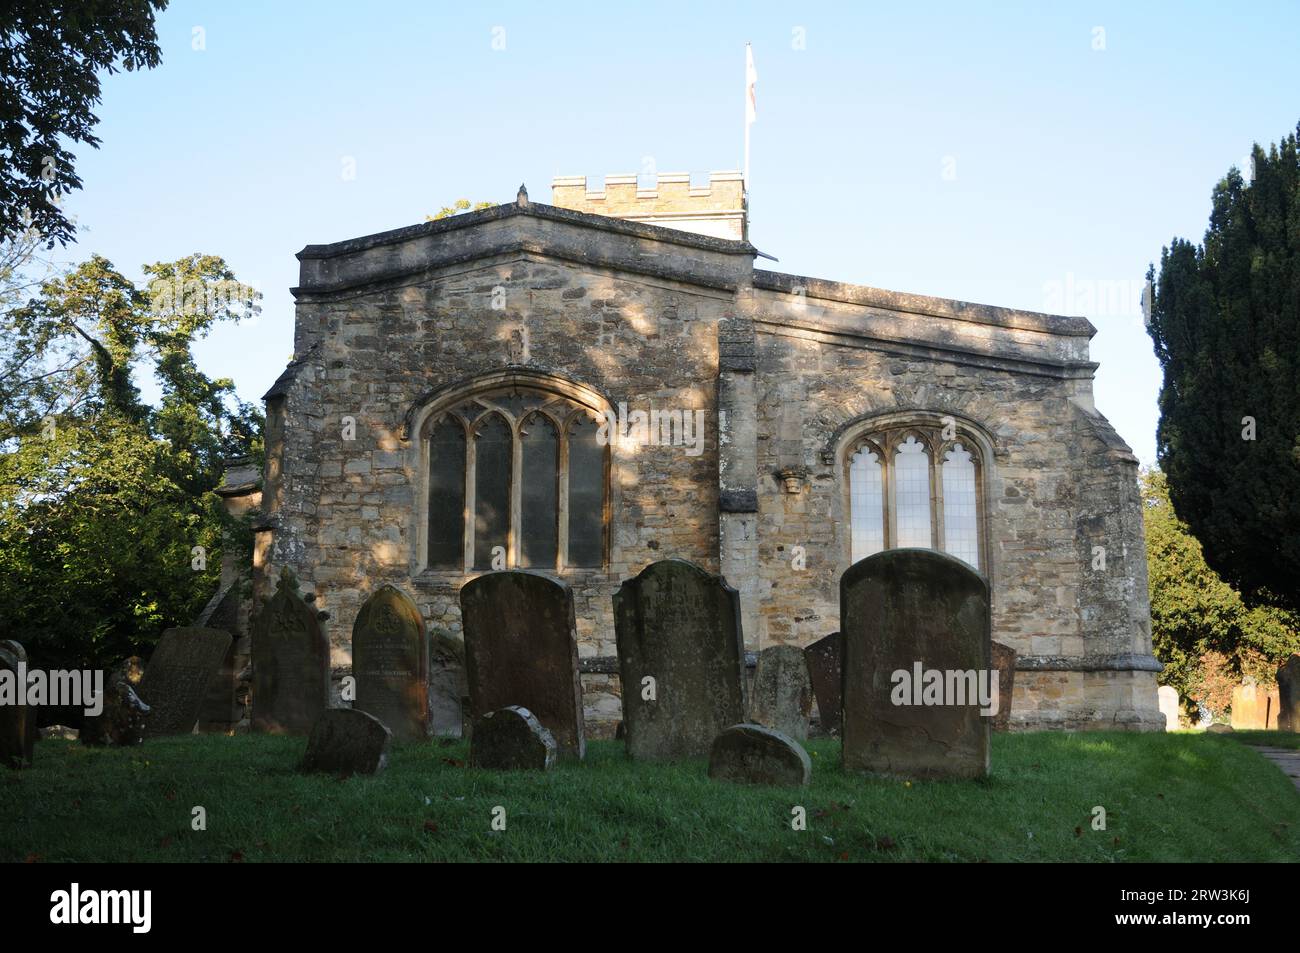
{"points": [[183, 665], [390, 660], [290, 664], [755, 754], [906, 614], [782, 696], [17, 722], [511, 739], [680, 656], [347, 741], [1004, 661], [823, 658], [520, 649], [1288, 692], [447, 685]]}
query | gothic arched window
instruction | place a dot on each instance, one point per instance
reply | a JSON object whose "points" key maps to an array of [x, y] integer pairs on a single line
{"points": [[915, 486], [517, 478]]}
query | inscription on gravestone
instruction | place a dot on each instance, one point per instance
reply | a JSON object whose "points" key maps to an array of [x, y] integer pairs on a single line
{"points": [[390, 659], [290, 664], [177, 678], [680, 626], [914, 610], [823, 658], [520, 650]]}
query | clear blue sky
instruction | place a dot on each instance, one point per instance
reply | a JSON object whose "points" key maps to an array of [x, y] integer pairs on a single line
{"points": [[1073, 165]]}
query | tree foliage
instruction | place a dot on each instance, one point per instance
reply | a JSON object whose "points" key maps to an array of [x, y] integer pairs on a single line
{"points": [[1225, 321], [1201, 628], [460, 205], [51, 54], [104, 496]]}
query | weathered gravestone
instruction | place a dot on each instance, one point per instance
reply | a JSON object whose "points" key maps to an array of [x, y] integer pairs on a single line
{"points": [[176, 680], [18, 730], [390, 661], [1254, 706], [910, 617], [121, 722], [346, 741], [755, 754], [447, 684], [823, 659], [520, 650], [221, 709], [1288, 692], [511, 739], [1168, 700], [782, 695], [291, 655], [1004, 661], [680, 657]]}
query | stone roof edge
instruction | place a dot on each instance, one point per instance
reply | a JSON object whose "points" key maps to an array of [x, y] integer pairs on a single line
{"points": [[866, 295], [452, 223]]}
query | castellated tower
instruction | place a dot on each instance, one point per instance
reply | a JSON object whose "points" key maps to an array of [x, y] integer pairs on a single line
{"points": [[712, 205]]}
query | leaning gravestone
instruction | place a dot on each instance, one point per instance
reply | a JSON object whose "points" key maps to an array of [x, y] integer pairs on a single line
{"points": [[17, 722], [346, 741], [823, 659], [1168, 699], [681, 657], [511, 739], [1004, 661], [910, 616], [176, 680], [520, 650], [755, 754], [782, 696], [291, 676], [1288, 692], [390, 660]]}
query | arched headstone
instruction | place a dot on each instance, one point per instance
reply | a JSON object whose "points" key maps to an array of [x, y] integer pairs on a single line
{"points": [[390, 661], [681, 657], [916, 631], [521, 650]]}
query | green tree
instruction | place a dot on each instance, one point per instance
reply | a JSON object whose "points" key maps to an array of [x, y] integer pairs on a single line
{"points": [[460, 205], [104, 497], [51, 55], [1200, 625], [1225, 321]]}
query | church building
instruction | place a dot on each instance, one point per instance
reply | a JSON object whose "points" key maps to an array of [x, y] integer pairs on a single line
{"points": [[588, 386]]}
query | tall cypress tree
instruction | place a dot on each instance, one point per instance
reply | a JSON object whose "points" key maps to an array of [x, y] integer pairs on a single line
{"points": [[1225, 320]]}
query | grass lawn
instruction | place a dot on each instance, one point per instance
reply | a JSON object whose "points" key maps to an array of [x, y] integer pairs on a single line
{"points": [[1168, 797]]}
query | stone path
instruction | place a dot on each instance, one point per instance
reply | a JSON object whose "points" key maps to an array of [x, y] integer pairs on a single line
{"points": [[1288, 759]]}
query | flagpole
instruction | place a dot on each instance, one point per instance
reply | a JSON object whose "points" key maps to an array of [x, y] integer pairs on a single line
{"points": [[749, 58]]}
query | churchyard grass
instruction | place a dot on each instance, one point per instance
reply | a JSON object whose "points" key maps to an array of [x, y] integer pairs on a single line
{"points": [[1269, 739], [1168, 797]]}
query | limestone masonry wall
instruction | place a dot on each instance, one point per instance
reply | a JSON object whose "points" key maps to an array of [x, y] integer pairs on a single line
{"points": [[635, 314]]}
